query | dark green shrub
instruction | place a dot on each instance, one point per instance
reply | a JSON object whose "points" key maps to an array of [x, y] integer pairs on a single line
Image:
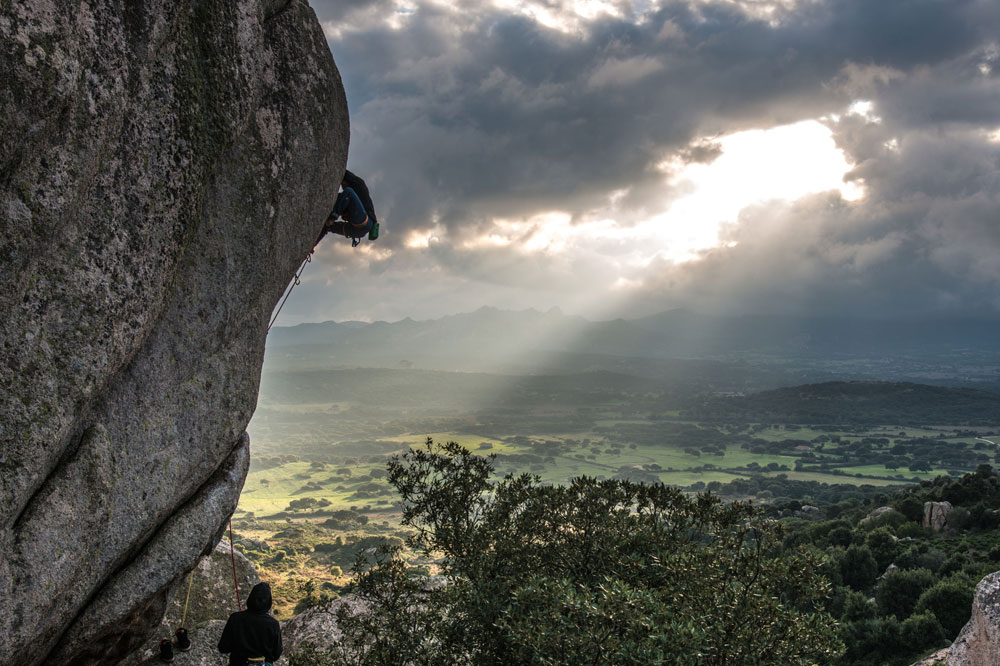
{"points": [[921, 631], [883, 545], [897, 593], [858, 568], [950, 603]]}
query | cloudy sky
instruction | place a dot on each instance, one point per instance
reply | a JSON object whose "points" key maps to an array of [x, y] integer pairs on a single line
{"points": [[621, 158]]}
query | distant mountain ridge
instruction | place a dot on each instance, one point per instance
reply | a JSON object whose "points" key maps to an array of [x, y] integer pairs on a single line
{"points": [[901, 403], [518, 336]]}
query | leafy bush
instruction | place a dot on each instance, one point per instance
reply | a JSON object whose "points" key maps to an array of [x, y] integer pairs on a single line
{"points": [[897, 593], [858, 567], [883, 545], [921, 631], [857, 607], [950, 602], [597, 572]]}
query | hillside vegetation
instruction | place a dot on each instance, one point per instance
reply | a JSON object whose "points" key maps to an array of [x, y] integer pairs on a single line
{"points": [[579, 574], [857, 402]]}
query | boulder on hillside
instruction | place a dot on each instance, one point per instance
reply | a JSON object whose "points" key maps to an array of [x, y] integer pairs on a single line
{"points": [[978, 644], [316, 628], [166, 167], [936, 515], [875, 513]]}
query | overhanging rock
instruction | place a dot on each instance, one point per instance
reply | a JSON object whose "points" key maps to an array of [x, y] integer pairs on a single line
{"points": [[166, 167]]}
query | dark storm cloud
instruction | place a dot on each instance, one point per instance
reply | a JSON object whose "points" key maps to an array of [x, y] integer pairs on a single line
{"points": [[468, 113], [462, 114]]}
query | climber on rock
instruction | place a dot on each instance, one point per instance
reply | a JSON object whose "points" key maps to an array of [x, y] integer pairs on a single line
{"points": [[353, 213], [252, 636]]}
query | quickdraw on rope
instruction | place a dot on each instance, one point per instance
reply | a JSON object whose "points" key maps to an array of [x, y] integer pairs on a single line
{"points": [[295, 281], [232, 554]]}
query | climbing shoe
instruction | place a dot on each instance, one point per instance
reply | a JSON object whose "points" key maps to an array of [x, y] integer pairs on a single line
{"points": [[183, 642], [373, 232], [166, 650]]}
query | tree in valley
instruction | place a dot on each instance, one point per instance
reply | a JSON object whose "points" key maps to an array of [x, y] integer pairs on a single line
{"points": [[595, 572]]}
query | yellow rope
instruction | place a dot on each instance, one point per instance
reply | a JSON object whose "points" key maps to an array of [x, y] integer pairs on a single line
{"points": [[187, 598]]}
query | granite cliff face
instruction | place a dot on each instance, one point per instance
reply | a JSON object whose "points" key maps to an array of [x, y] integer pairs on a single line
{"points": [[164, 169]]}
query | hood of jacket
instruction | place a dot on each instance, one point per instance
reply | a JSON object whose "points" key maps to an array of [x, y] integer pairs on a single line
{"points": [[259, 600]]}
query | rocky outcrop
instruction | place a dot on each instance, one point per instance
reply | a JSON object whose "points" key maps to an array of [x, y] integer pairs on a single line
{"points": [[317, 628], [934, 659], [978, 644], [165, 168], [875, 513], [936, 515]]}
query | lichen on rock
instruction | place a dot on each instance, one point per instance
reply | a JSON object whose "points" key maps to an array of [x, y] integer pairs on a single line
{"points": [[166, 167]]}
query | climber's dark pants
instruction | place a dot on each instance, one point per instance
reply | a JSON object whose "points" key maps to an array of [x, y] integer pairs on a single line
{"points": [[355, 222]]}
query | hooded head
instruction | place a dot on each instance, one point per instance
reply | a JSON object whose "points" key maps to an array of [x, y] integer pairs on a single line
{"points": [[259, 600]]}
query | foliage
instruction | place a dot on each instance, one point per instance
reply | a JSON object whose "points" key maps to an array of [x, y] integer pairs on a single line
{"points": [[883, 545], [927, 595], [597, 572], [874, 642], [950, 602], [897, 593], [855, 402], [857, 607], [858, 567], [921, 631]]}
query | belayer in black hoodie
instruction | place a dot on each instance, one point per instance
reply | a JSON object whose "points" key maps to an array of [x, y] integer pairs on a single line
{"points": [[253, 633]]}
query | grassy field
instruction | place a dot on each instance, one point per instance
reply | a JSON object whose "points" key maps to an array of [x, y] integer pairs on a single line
{"points": [[270, 491], [357, 484]]}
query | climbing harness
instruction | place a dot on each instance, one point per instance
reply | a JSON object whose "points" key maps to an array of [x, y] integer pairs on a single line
{"points": [[356, 240], [288, 292], [232, 554]]}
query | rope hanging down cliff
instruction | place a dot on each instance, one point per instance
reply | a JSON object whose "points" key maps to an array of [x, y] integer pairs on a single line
{"points": [[297, 280], [232, 554]]}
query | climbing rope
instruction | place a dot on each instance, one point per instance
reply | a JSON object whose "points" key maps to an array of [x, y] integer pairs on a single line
{"points": [[187, 598], [232, 554], [295, 281]]}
